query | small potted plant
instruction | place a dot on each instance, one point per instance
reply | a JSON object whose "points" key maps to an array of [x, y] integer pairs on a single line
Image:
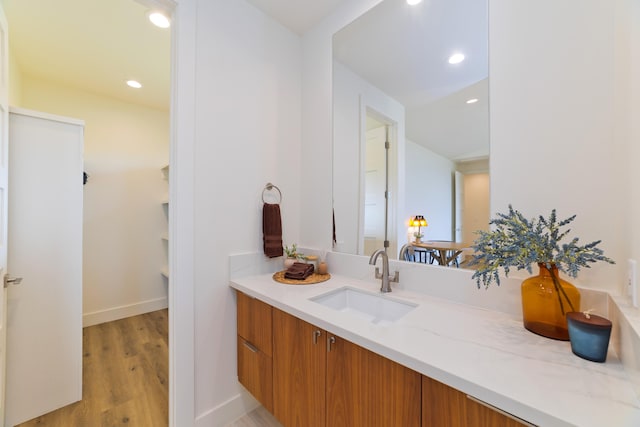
{"points": [[292, 255], [518, 242]]}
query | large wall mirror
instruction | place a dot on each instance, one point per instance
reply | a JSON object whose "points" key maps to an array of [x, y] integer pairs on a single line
{"points": [[410, 129]]}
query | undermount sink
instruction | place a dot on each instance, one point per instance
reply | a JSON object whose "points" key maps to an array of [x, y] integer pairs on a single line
{"points": [[376, 308]]}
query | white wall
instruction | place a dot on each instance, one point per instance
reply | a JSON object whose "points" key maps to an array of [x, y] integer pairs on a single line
{"points": [[316, 204], [557, 148], [15, 80], [429, 190], [352, 95], [246, 132], [346, 149], [230, 56], [553, 122], [125, 147]]}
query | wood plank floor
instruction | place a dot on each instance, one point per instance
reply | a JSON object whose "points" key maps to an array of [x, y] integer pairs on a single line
{"points": [[125, 376], [259, 417]]}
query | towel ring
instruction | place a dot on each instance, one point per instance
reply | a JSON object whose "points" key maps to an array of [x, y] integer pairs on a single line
{"points": [[270, 187]]}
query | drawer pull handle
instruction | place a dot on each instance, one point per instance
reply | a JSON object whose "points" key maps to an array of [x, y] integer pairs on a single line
{"points": [[506, 414], [330, 340], [316, 335], [250, 346]]}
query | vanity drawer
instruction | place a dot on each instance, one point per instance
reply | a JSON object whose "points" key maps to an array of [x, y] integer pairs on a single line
{"points": [[254, 322], [255, 373], [444, 405]]}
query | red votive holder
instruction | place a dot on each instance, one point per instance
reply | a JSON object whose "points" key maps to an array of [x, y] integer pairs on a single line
{"points": [[589, 335]]}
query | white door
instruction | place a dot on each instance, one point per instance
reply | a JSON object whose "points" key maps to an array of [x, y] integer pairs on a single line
{"points": [[44, 323], [459, 205], [4, 173], [374, 190]]}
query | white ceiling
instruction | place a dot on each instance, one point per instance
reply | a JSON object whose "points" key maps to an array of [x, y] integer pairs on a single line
{"points": [[94, 45], [297, 15], [403, 51]]}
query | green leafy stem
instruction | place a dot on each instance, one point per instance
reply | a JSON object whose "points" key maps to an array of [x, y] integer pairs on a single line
{"points": [[561, 292], [518, 242]]}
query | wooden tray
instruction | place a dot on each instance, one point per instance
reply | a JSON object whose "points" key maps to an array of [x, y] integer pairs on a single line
{"points": [[310, 280]]}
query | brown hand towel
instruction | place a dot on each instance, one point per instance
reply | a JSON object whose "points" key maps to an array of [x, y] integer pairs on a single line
{"points": [[299, 271], [272, 230]]}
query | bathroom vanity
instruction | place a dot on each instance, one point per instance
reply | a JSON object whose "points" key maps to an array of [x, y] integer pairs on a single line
{"points": [[342, 353]]}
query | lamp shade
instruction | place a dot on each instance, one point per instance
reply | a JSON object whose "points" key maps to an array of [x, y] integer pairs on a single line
{"points": [[418, 221]]}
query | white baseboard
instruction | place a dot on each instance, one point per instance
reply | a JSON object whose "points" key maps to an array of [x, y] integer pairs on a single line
{"points": [[227, 412], [115, 313]]}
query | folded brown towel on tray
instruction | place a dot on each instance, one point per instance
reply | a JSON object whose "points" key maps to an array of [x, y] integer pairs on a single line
{"points": [[272, 230], [299, 271]]}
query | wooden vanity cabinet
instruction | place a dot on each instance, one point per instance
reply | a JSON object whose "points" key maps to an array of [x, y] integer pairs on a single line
{"points": [[446, 406], [320, 379], [366, 389], [299, 367], [307, 377], [255, 344]]}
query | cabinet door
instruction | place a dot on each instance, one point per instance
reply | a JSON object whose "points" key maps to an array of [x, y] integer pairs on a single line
{"points": [[365, 389], [442, 405], [299, 366], [255, 373], [254, 322], [481, 415], [446, 406], [255, 348]]}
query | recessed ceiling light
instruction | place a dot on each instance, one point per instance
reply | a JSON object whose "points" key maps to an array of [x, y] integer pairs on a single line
{"points": [[134, 84], [472, 101], [413, 2], [456, 58], [159, 19]]}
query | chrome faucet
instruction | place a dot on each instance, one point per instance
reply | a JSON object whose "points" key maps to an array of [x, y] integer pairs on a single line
{"points": [[386, 279]]}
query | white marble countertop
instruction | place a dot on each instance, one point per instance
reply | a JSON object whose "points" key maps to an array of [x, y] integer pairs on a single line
{"points": [[486, 354]]}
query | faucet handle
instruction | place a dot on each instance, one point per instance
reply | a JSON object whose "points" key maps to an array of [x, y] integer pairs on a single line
{"points": [[378, 275], [395, 278]]}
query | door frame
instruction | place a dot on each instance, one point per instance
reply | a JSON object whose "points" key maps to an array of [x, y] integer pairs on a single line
{"points": [[181, 225], [181, 210], [181, 287], [4, 205]]}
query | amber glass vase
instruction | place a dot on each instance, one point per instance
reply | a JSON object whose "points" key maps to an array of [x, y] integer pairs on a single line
{"points": [[546, 299]]}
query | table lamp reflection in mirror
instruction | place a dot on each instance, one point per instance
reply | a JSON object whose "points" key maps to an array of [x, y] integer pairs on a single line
{"points": [[418, 221]]}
